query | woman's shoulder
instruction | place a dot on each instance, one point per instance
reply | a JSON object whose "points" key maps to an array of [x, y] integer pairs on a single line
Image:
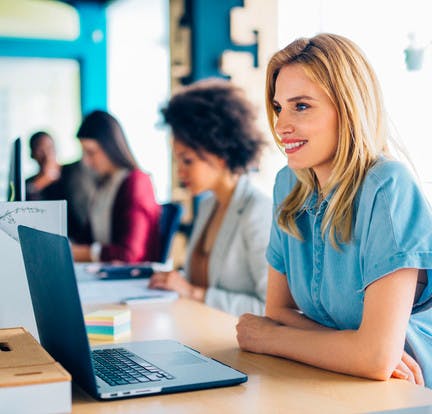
{"points": [[254, 191], [248, 195], [254, 205], [391, 174], [137, 185], [284, 172], [285, 176], [284, 183], [137, 174], [137, 178]]}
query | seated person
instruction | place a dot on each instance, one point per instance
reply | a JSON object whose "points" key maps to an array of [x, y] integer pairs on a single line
{"points": [[42, 150], [71, 182], [215, 140], [350, 251], [124, 215], [76, 185]]}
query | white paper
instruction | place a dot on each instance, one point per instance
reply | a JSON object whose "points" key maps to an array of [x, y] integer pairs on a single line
{"points": [[15, 301], [122, 291]]}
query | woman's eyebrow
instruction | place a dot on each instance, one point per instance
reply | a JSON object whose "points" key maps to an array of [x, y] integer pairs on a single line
{"points": [[296, 99], [301, 98]]}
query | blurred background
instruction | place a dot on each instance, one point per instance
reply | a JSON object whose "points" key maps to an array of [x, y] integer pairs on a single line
{"points": [[61, 59]]}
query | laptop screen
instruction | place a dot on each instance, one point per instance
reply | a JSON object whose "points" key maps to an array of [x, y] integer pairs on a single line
{"points": [[56, 304]]}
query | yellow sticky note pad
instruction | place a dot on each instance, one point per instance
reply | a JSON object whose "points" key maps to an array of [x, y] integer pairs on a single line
{"points": [[108, 323]]}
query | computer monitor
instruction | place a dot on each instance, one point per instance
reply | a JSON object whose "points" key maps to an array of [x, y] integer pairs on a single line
{"points": [[16, 186]]}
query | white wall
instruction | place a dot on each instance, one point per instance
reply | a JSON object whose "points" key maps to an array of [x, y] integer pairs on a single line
{"points": [[381, 29], [45, 93], [138, 78], [38, 94]]}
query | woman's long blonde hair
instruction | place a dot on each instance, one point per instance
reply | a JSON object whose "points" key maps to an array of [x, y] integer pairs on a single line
{"points": [[338, 66]]}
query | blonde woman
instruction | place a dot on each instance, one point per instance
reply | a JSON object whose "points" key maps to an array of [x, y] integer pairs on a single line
{"points": [[350, 250]]}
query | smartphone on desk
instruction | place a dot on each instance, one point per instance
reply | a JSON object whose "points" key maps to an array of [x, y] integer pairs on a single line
{"points": [[112, 272]]}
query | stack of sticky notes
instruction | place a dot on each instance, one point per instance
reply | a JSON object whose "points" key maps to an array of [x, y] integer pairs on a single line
{"points": [[108, 323]]}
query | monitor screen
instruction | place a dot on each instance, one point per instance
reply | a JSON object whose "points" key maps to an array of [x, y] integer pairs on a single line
{"points": [[16, 187]]}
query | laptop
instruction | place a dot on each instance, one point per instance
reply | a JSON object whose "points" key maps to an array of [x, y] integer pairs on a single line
{"points": [[150, 367]]}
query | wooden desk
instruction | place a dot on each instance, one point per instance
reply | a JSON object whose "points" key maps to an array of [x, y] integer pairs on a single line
{"points": [[275, 385]]}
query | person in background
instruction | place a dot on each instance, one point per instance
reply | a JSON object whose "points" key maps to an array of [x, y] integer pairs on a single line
{"points": [[215, 141], [124, 214], [77, 186], [71, 182], [350, 251], [43, 151]]}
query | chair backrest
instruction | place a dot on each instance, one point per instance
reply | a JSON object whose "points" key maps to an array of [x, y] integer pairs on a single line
{"points": [[168, 226]]}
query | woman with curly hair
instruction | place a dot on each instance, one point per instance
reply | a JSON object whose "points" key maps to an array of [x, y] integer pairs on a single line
{"points": [[215, 142]]}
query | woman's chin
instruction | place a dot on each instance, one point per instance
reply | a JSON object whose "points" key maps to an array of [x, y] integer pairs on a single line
{"points": [[195, 191], [297, 165]]}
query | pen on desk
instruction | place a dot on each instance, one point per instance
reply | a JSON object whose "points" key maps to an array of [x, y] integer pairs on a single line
{"points": [[136, 299]]}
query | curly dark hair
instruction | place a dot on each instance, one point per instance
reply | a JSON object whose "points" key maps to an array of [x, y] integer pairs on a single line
{"points": [[214, 116]]}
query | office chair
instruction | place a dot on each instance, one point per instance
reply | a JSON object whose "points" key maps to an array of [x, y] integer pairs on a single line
{"points": [[168, 226]]}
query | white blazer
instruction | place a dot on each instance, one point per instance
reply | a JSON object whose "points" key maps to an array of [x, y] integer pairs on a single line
{"points": [[237, 271]]}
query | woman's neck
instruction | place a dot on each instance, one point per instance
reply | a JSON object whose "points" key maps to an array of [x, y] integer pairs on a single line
{"points": [[225, 189], [108, 175]]}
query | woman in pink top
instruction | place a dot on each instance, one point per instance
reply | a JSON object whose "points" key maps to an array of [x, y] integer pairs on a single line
{"points": [[124, 216]]}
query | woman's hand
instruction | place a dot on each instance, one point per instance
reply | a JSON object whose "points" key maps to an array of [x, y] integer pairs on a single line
{"points": [[175, 281], [81, 252], [254, 333], [409, 370]]}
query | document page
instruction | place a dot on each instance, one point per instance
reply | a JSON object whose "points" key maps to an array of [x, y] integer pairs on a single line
{"points": [[121, 291]]}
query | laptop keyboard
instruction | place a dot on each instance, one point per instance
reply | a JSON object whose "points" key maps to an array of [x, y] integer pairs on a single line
{"points": [[118, 366]]}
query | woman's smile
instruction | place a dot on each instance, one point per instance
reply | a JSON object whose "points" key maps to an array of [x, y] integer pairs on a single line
{"points": [[293, 145]]}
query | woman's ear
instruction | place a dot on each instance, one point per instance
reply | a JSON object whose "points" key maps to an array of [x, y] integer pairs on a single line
{"points": [[222, 163]]}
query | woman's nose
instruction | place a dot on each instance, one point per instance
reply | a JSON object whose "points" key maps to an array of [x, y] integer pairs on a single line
{"points": [[86, 160], [180, 171], [284, 125]]}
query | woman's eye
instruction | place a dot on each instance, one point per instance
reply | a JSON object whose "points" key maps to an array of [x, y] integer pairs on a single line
{"points": [[301, 106], [277, 109]]}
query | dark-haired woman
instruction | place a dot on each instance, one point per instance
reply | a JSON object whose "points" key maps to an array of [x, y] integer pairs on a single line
{"points": [[124, 214], [215, 140]]}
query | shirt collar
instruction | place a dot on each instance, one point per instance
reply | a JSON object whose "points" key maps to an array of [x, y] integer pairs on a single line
{"points": [[311, 205]]}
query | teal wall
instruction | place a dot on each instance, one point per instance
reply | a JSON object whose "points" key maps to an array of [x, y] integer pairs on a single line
{"points": [[209, 21], [90, 53]]}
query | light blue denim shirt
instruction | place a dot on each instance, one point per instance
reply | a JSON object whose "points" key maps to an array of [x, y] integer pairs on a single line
{"points": [[392, 230]]}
